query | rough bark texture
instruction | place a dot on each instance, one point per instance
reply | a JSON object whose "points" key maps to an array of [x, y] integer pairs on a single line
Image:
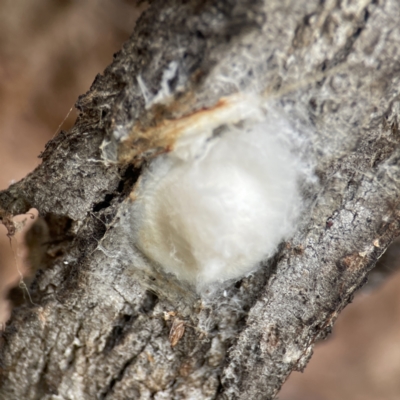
{"points": [[98, 328]]}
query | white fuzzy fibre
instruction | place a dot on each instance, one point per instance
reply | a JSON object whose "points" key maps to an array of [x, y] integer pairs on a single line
{"points": [[220, 203]]}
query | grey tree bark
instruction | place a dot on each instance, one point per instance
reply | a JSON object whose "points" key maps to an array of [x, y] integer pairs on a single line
{"points": [[99, 324]]}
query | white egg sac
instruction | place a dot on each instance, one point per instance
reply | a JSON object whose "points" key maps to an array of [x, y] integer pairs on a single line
{"points": [[214, 210]]}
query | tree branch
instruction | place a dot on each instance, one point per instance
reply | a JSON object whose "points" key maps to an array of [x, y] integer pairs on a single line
{"points": [[102, 314]]}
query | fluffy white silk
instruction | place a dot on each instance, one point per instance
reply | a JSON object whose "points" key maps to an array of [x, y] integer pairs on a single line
{"points": [[222, 201]]}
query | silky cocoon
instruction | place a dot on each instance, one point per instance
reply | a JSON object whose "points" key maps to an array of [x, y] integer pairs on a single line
{"points": [[215, 212]]}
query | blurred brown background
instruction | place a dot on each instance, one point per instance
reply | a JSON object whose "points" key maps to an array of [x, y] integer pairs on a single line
{"points": [[50, 52]]}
